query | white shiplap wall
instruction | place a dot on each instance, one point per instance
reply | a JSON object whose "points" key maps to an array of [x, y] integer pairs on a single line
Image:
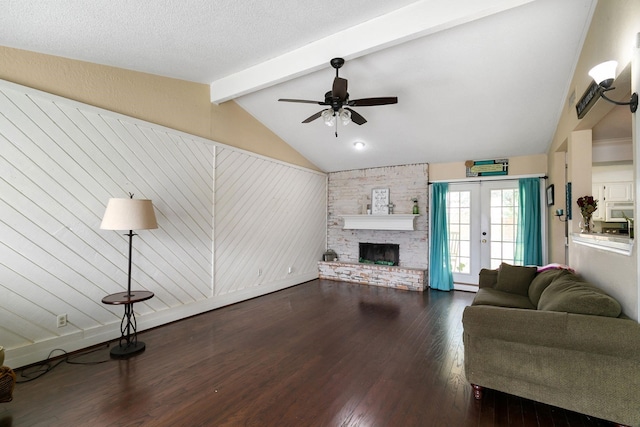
{"points": [[231, 223]]}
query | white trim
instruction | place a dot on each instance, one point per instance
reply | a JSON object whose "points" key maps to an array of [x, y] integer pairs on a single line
{"points": [[465, 287]]}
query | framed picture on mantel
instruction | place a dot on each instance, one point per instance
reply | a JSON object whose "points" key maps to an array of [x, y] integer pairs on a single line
{"points": [[380, 201]]}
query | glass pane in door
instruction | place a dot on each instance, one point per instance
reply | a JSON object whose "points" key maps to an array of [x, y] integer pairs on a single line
{"points": [[459, 216], [504, 223]]}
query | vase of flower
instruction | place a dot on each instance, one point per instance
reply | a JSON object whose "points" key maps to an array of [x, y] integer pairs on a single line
{"points": [[588, 205], [586, 226]]}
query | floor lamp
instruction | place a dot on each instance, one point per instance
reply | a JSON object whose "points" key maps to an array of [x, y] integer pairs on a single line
{"points": [[128, 214]]}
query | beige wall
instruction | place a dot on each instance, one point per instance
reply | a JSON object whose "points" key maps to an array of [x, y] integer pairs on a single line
{"points": [[611, 35], [173, 103], [521, 165]]}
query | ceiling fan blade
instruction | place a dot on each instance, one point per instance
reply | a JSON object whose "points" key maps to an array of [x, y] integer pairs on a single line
{"points": [[339, 89], [313, 117], [304, 101], [367, 102], [356, 117]]}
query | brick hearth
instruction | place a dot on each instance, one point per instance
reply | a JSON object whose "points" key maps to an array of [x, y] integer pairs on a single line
{"points": [[410, 279]]}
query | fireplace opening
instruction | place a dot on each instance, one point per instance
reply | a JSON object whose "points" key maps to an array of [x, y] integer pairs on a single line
{"points": [[379, 253]]}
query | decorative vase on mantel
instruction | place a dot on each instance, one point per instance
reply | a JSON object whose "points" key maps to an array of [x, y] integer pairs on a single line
{"points": [[586, 226]]}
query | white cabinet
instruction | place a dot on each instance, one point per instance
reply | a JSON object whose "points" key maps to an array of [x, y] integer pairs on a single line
{"points": [[597, 191], [618, 191], [610, 192]]}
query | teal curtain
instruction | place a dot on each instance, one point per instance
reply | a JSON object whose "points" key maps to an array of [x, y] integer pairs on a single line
{"points": [[439, 259], [529, 232]]}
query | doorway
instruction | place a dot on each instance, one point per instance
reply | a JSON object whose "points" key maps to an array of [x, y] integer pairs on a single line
{"points": [[482, 221]]}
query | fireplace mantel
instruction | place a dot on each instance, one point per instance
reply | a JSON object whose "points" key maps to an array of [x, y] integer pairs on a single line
{"points": [[379, 222]]}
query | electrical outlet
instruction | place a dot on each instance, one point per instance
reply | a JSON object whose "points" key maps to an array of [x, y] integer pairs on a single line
{"points": [[61, 320]]}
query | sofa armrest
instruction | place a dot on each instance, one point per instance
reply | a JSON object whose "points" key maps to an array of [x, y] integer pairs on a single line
{"points": [[488, 278], [594, 334]]}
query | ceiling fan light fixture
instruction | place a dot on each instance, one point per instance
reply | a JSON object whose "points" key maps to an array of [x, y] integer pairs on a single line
{"points": [[345, 116], [328, 117]]}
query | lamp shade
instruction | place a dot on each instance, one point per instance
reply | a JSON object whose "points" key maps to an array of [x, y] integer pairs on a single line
{"points": [[604, 73], [129, 214]]}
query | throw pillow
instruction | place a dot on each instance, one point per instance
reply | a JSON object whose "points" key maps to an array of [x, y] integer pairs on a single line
{"points": [[515, 279], [555, 266], [488, 278], [566, 294], [541, 281]]}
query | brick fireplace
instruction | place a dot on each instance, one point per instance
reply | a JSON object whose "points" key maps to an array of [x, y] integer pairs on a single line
{"points": [[349, 192], [408, 279]]}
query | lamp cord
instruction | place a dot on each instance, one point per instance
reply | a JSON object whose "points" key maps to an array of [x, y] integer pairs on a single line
{"points": [[34, 372]]}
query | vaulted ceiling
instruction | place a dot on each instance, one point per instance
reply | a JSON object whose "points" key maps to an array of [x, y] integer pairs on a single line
{"points": [[475, 78]]}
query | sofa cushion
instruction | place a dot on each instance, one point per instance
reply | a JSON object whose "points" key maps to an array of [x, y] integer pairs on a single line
{"points": [[487, 278], [496, 298], [569, 295], [541, 281], [515, 279]]}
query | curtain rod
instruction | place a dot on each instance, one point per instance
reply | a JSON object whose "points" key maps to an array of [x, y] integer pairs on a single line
{"points": [[489, 179]]}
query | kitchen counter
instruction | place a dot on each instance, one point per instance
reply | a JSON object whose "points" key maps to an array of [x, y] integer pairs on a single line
{"points": [[608, 242]]}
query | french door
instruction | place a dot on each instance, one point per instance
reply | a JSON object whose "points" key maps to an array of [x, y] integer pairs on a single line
{"points": [[482, 220]]}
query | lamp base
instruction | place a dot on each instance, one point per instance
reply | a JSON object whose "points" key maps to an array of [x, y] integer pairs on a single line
{"points": [[124, 351]]}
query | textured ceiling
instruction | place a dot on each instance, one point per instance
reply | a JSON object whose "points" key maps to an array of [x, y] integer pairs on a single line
{"points": [[195, 40], [481, 79]]}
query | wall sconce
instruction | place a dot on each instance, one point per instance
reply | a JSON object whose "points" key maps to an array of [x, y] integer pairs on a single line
{"points": [[603, 74], [559, 214]]}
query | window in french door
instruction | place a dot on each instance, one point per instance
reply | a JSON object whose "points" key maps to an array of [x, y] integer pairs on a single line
{"points": [[504, 223], [482, 220]]}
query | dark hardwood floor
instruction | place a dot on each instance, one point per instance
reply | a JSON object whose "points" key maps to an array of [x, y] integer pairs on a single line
{"points": [[319, 354]]}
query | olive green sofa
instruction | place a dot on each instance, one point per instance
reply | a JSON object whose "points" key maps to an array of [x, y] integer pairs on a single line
{"points": [[551, 337]]}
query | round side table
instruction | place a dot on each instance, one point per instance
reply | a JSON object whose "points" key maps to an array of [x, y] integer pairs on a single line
{"points": [[128, 344]]}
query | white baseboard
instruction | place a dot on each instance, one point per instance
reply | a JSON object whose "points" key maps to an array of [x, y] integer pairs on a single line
{"points": [[465, 287]]}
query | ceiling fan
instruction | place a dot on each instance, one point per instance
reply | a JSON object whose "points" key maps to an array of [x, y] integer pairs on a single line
{"points": [[337, 99]]}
